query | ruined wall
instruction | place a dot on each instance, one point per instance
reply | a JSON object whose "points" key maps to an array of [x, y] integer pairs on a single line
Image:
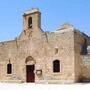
{"points": [[82, 62], [78, 41], [86, 66]]}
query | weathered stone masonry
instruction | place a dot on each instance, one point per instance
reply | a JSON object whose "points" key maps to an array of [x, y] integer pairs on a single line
{"points": [[45, 57]]}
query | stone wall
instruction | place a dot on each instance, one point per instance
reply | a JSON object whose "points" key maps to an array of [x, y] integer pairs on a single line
{"points": [[43, 48], [82, 62], [65, 55]]}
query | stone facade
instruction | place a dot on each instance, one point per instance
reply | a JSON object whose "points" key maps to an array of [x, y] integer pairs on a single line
{"points": [[32, 54]]}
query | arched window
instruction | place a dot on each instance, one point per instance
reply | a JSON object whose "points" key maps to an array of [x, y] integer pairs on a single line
{"points": [[56, 66], [84, 48], [9, 68], [30, 22]]}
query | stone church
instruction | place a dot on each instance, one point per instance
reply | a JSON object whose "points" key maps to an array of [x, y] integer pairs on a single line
{"points": [[36, 56]]}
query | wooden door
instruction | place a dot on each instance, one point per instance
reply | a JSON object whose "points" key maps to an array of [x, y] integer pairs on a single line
{"points": [[30, 76]]}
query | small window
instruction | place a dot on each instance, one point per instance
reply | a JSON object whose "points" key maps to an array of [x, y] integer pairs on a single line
{"points": [[84, 48], [56, 50], [9, 68], [56, 66], [30, 22]]}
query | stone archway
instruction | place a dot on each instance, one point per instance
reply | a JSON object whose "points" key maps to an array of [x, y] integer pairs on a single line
{"points": [[30, 67]]}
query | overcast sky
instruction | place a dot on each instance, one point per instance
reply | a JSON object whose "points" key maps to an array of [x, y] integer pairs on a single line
{"points": [[54, 14]]}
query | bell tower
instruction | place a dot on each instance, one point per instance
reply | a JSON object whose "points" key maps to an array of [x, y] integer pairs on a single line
{"points": [[32, 20]]}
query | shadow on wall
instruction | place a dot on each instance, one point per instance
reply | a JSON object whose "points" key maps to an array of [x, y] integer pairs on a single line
{"points": [[84, 80]]}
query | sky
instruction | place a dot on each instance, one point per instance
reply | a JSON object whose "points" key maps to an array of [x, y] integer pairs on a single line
{"points": [[54, 14]]}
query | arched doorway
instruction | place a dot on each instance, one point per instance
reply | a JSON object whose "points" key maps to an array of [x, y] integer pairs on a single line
{"points": [[30, 67]]}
